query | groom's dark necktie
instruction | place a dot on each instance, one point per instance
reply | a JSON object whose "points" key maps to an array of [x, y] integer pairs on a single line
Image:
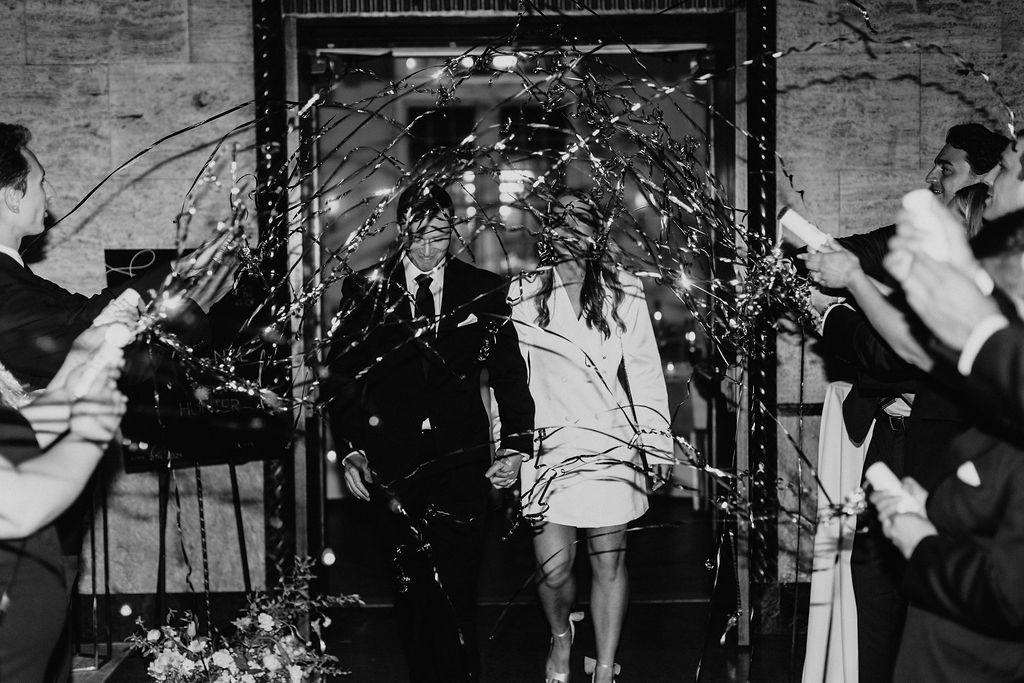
{"points": [[425, 307]]}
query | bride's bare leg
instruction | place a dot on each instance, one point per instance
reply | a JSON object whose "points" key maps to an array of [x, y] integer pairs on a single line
{"points": [[609, 594], [555, 550]]}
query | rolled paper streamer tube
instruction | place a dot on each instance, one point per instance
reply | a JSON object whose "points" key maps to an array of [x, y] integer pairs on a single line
{"points": [[926, 211], [116, 337], [802, 228], [882, 479], [125, 305]]}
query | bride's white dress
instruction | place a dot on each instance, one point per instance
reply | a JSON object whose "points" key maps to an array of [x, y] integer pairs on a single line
{"points": [[587, 472]]}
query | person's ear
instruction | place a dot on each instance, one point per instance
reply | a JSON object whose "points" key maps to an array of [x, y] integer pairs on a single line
{"points": [[12, 197]]}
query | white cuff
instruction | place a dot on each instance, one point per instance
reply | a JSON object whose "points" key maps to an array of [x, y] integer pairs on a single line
{"points": [[976, 339], [355, 452]]}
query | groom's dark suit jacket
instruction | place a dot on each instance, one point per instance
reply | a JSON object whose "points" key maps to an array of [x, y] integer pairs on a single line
{"points": [[385, 382]]}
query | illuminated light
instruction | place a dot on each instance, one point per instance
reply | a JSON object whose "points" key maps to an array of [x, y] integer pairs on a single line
{"points": [[332, 456], [126, 610], [327, 557], [470, 211], [411, 63], [504, 210], [467, 62], [506, 197], [691, 336], [683, 280], [670, 367], [437, 74], [468, 177], [470, 188], [504, 62], [374, 420], [658, 316]]}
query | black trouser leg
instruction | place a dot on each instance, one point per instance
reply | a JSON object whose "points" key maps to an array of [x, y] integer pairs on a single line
{"points": [[877, 570], [438, 567]]}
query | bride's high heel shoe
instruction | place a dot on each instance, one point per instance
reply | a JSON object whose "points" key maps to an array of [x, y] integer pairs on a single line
{"points": [[591, 666], [556, 676]]}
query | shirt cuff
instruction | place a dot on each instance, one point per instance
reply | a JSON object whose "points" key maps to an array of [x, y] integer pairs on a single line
{"points": [[350, 454], [976, 339]]}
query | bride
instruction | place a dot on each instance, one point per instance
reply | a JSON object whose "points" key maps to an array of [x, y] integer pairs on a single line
{"points": [[581, 322]]}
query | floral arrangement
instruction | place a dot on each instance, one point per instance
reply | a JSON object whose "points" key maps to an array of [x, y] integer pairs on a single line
{"points": [[267, 645]]}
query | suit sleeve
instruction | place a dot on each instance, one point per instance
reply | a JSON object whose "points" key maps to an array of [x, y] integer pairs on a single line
{"points": [[507, 374], [850, 337], [979, 586], [870, 249], [39, 330], [998, 370], [646, 380], [346, 362]]}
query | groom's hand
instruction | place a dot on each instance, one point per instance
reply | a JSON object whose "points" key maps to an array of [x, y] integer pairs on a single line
{"points": [[503, 471], [357, 474]]}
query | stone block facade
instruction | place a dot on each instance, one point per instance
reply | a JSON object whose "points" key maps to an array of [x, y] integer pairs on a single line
{"points": [[97, 81]]}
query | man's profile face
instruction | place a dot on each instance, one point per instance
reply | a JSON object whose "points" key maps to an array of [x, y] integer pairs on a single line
{"points": [[1007, 193], [950, 173], [427, 241], [27, 209]]}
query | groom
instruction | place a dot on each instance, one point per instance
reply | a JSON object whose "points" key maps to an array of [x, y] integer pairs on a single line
{"points": [[412, 337]]}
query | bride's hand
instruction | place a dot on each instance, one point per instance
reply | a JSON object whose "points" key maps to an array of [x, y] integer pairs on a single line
{"points": [[505, 469]]}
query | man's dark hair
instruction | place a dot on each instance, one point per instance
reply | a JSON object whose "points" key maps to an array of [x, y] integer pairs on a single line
{"points": [[983, 146], [420, 202], [13, 164]]}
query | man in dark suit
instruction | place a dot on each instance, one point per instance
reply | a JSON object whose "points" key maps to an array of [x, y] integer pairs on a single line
{"points": [[915, 415], [40, 320], [969, 156], [965, 548], [412, 337], [965, 567]]}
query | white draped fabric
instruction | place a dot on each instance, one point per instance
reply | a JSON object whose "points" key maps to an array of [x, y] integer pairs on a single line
{"points": [[831, 655]]}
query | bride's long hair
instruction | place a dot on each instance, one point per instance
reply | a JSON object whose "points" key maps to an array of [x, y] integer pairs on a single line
{"points": [[598, 254]]}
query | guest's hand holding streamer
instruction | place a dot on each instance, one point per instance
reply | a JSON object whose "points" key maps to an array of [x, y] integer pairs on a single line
{"points": [[209, 272]]}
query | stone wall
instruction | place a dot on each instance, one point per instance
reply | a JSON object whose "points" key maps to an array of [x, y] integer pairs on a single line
{"points": [[98, 81], [858, 125]]}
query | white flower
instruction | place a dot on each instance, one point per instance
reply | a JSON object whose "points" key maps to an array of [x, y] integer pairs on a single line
{"points": [[327, 622], [188, 666], [242, 623], [271, 662], [223, 659], [292, 646], [266, 621], [247, 678], [197, 645], [295, 673], [153, 635], [166, 661]]}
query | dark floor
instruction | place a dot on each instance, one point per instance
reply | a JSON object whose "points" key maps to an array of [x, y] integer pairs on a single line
{"points": [[665, 636]]}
